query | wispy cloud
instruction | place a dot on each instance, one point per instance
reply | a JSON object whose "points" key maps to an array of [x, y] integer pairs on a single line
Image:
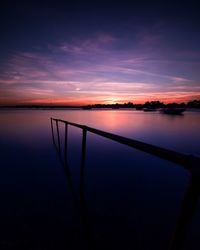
{"points": [[94, 69], [100, 43]]}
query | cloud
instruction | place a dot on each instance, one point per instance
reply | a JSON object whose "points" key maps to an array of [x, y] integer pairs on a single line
{"points": [[179, 79], [94, 69], [100, 43]]}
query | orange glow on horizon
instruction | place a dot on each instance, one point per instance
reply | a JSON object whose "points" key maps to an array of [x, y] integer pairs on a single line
{"points": [[88, 101]]}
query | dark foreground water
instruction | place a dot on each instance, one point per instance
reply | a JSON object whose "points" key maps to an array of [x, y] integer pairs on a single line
{"points": [[131, 200]]}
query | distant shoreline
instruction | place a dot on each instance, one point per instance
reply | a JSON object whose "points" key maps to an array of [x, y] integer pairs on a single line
{"points": [[195, 104], [79, 108]]}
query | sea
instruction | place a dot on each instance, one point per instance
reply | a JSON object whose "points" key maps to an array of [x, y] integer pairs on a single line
{"points": [[125, 199]]}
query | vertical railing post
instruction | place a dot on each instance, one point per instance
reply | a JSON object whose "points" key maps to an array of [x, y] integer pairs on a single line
{"points": [[58, 136], [66, 142], [84, 214], [52, 131], [187, 211], [83, 156]]}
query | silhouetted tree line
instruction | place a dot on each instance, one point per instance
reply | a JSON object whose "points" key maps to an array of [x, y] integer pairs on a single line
{"points": [[151, 104]]}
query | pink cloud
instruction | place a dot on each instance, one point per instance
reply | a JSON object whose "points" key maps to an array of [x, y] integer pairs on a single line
{"points": [[179, 79], [93, 71]]}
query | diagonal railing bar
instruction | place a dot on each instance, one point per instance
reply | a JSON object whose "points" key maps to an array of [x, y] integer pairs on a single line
{"points": [[166, 154], [188, 162]]}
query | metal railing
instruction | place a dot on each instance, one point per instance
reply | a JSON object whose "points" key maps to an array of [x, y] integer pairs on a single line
{"points": [[189, 162]]}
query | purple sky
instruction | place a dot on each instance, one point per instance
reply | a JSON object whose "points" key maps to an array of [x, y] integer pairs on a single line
{"points": [[99, 53]]}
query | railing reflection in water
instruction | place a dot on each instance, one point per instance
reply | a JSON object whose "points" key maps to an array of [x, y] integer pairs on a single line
{"points": [[189, 162]]}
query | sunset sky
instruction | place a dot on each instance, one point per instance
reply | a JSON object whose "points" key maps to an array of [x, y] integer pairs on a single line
{"points": [[82, 52]]}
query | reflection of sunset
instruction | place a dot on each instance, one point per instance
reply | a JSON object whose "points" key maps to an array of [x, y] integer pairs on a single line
{"points": [[150, 128], [76, 168]]}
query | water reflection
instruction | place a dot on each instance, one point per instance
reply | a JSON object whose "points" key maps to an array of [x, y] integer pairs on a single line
{"points": [[180, 133], [79, 199], [129, 197], [186, 212]]}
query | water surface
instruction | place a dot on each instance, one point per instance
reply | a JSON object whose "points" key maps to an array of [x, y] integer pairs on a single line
{"points": [[131, 199]]}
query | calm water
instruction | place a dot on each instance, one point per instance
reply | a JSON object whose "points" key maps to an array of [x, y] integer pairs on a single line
{"points": [[131, 199]]}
